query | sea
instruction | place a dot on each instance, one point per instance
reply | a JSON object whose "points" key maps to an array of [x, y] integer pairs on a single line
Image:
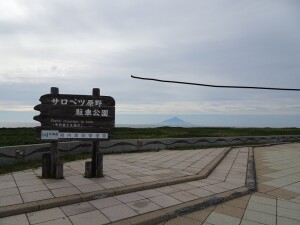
{"points": [[17, 124], [21, 124]]}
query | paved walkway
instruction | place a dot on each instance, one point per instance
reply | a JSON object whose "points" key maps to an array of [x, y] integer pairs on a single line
{"points": [[120, 171], [277, 200]]}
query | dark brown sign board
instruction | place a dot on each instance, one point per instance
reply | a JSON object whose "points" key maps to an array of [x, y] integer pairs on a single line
{"points": [[75, 117]]}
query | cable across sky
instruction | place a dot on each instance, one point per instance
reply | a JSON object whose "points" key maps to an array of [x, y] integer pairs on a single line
{"points": [[217, 86]]}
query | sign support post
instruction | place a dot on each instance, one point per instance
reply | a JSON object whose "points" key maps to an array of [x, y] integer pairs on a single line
{"points": [[97, 163], [53, 168], [54, 145], [54, 159], [56, 169]]}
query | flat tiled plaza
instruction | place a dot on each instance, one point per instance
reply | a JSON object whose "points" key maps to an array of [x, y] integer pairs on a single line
{"points": [[276, 201], [120, 170]]}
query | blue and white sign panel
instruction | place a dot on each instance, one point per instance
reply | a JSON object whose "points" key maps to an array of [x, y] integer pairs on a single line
{"points": [[49, 134], [67, 135], [56, 135]]}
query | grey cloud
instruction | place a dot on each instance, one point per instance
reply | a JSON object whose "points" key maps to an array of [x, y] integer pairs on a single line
{"points": [[101, 43]]}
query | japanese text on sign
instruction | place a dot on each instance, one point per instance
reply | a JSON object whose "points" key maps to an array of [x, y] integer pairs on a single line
{"points": [[79, 102], [49, 134], [83, 135], [83, 102], [91, 112], [55, 135]]}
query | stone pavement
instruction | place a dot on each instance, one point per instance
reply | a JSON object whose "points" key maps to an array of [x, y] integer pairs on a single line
{"points": [[276, 202], [120, 171], [229, 175]]}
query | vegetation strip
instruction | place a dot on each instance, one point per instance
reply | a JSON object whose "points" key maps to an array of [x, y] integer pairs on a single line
{"points": [[25, 136]]}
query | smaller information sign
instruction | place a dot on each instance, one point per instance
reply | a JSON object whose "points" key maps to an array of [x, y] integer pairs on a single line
{"points": [[67, 135], [56, 135], [49, 134]]}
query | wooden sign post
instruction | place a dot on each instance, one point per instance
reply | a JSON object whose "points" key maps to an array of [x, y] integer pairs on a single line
{"points": [[97, 160], [74, 117], [55, 169]]}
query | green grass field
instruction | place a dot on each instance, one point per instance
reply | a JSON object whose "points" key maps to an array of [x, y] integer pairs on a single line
{"points": [[24, 136]]}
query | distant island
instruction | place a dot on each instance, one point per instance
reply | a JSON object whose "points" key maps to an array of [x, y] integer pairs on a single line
{"points": [[172, 122], [175, 122]]}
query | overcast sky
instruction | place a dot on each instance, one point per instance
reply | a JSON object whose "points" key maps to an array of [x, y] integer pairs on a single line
{"points": [[77, 45]]}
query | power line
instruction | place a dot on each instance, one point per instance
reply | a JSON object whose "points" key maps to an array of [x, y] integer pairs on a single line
{"points": [[217, 86]]}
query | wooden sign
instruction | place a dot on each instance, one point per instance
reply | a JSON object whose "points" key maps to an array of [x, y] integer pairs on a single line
{"points": [[75, 117]]}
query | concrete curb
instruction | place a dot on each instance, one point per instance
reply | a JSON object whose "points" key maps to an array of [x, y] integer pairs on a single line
{"points": [[72, 199], [159, 216], [251, 173]]}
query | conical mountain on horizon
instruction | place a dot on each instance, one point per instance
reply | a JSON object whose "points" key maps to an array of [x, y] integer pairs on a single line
{"points": [[174, 122]]}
